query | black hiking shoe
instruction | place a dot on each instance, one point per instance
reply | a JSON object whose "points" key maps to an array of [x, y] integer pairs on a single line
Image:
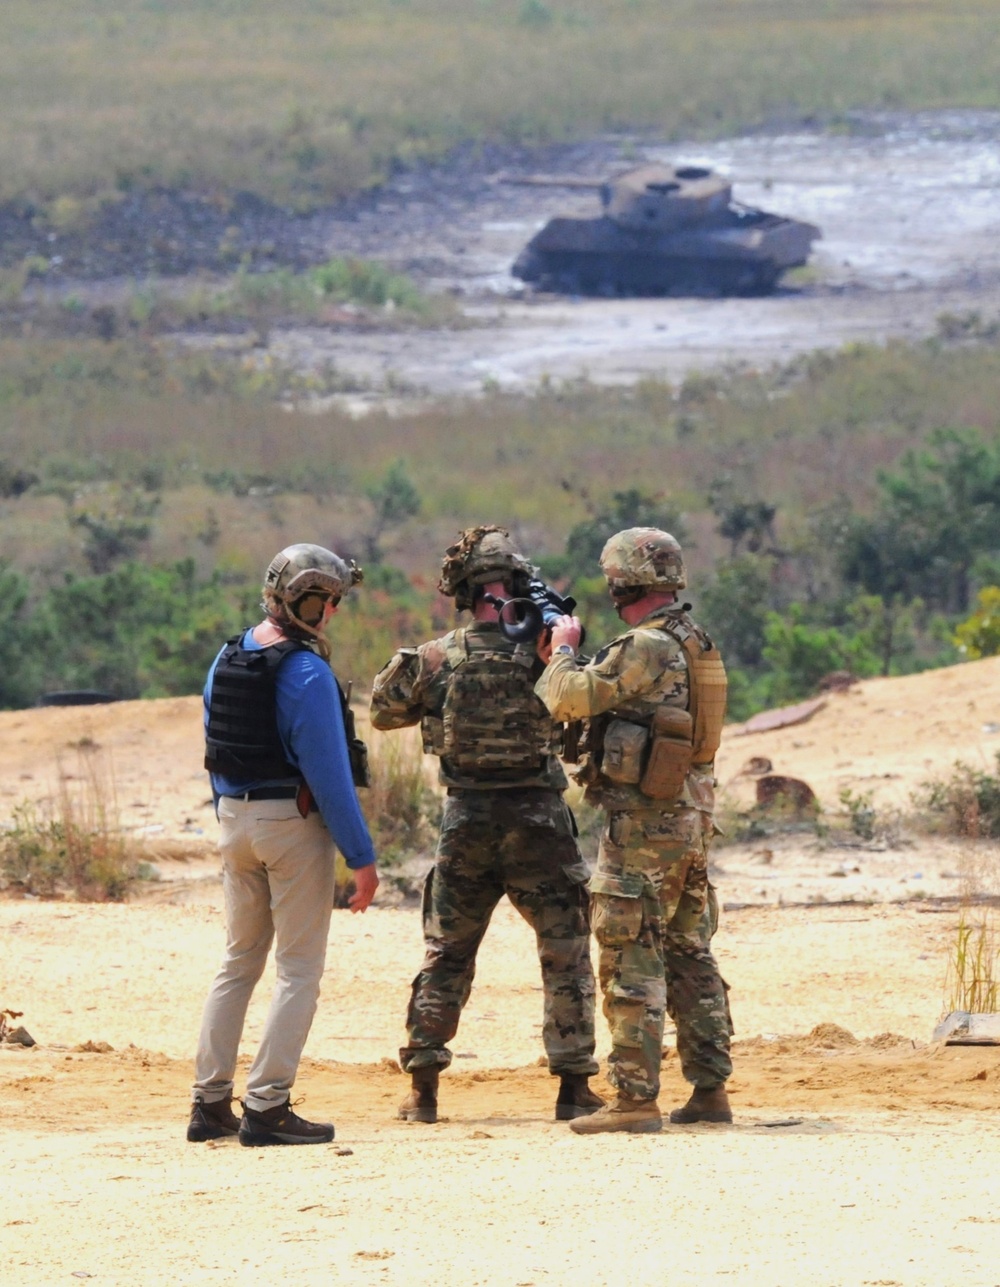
{"points": [[280, 1125], [213, 1120], [575, 1098]]}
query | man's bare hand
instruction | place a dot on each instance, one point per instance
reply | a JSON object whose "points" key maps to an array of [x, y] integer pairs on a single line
{"points": [[365, 885], [567, 630]]}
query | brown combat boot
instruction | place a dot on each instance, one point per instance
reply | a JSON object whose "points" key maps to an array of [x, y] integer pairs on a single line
{"points": [[575, 1098], [212, 1120], [421, 1104], [710, 1105], [640, 1116]]}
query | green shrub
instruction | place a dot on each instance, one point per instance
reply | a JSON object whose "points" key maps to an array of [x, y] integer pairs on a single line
{"points": [[800, 654], [106, 428], [979, 635], [861, 812], [968, 802]]}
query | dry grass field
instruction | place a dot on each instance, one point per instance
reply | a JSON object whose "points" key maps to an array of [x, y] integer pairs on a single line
{"points": [[316, 100]]}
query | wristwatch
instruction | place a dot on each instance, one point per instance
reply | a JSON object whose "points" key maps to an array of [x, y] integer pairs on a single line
{"points": [[564, 650]]}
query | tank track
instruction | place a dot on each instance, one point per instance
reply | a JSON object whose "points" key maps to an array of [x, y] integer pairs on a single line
{"points": [[610, 275]]}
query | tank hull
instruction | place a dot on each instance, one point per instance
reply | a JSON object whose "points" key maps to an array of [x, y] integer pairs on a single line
{"points": [[740, 252]]}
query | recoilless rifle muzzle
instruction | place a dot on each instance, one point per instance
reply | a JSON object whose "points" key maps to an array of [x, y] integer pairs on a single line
{"points": [[523, 620]]}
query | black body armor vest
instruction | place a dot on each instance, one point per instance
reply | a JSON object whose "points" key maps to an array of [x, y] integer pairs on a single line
{"points": [[241, 738]]}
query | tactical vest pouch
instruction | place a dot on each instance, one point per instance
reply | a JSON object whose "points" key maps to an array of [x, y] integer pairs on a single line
{"points": [[624, 751], [357, 751], [670, 753], [432, 734], [571, 741], [708, 700]]}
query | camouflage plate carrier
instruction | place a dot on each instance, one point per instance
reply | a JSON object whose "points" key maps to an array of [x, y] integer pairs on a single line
{"points": [[491, 721]]}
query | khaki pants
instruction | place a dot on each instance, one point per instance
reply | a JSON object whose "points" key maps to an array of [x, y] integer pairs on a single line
{"points": [[278, 874]]}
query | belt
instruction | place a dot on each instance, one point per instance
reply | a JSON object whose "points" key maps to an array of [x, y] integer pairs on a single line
{"points": [[270, 793]]}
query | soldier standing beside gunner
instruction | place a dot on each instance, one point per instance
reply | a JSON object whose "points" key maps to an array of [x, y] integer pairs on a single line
{"points": [[655, 701], [283, 776], [505, 829]]}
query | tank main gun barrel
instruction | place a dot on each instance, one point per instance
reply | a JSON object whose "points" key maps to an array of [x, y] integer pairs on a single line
{"points": [[551, 181]]}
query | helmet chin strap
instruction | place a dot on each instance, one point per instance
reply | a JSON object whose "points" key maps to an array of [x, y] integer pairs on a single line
{"points": [[628, 595], [295, 627], [632, 594]]}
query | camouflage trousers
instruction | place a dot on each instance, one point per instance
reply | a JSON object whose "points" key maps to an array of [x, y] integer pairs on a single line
{"points": [[520, 843], [651, 918]]}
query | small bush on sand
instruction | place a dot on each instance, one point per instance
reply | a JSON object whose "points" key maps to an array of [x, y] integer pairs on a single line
{"points": [[968, 802], [73, 843]]}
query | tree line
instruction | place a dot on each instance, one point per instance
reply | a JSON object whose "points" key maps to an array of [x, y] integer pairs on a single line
{"points": [[911, 585]]}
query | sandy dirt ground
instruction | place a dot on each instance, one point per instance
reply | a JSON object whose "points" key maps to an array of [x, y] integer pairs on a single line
{"points": [[864, 1158], [862, 1153]]}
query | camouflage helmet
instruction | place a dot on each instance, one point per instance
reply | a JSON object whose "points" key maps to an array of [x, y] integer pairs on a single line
{"points": [[643, 558], [301, 573], [480, 555]]}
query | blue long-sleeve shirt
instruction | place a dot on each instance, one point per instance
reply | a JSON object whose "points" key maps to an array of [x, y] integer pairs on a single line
{"points": [[311, 728]]}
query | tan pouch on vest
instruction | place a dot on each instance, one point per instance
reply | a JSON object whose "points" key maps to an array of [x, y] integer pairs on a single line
{"points": [[708, 700], [624, 751], [670, 752]]}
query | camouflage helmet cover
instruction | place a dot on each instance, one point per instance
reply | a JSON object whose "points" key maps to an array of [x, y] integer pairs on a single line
{"points": [[300, 570], [480, 555], [643, 557]]}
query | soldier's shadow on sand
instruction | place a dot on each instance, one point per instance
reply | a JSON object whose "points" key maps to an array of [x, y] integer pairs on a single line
{"points": [[771, 1125]]}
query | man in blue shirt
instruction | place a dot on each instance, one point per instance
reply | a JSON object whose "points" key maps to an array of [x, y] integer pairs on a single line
{"points": [[281, 770]]}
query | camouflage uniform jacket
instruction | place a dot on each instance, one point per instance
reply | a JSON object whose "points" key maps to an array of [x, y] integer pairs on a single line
{"points": [[628, 679], [413, 687]]}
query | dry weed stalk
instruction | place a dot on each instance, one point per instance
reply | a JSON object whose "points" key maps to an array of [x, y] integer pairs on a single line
{"points": [[74, 840], [97, 855], [973, 981]]}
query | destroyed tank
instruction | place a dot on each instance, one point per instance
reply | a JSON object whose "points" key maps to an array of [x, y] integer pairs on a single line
{"points": [[663, 230]]}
